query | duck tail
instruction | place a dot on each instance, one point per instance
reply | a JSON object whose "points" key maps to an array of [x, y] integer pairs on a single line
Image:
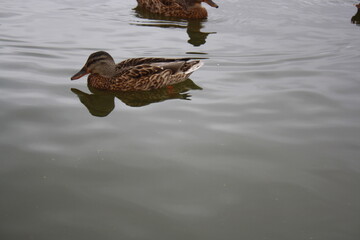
{"points": [[195, 65]]}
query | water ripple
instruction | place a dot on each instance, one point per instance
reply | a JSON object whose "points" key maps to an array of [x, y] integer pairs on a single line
{"points": [[273, 134]]}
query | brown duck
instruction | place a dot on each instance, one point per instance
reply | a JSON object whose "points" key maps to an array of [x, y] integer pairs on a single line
{"points": [[135, 74], [356, 18], [177, 8]]}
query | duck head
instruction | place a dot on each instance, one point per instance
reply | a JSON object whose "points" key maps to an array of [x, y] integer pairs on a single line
{"points": [[98, 63]]}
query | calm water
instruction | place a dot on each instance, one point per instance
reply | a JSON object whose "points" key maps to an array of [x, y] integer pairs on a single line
{"points": [[262, 143]]}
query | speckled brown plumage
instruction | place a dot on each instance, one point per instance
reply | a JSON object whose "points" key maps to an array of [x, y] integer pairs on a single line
{"points": [[177, 8], [135, 74]]}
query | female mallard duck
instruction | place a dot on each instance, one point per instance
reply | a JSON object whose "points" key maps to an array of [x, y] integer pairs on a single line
{"points": [[177, 8], [135, 74]]}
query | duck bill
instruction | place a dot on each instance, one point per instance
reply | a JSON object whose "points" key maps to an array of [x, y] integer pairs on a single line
{"points": [[211, 3], [81, 73]]}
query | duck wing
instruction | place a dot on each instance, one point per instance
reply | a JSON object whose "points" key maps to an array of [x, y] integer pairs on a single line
{"points": [[139, 61], [141, 77], [153, 75], [140, 71], [183, 3]]}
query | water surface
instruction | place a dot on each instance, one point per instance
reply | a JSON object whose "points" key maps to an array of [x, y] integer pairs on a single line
{"points": [[262, 143]]}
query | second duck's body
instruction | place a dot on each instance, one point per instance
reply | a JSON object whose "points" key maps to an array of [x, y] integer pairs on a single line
{"points": [[135, 74], [177, 8]]}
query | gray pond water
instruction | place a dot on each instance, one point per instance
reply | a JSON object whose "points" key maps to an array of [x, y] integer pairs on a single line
{"points": [[262, 143]]}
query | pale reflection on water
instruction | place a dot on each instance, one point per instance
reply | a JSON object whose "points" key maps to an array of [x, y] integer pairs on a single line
{"points": [[266, 145]]}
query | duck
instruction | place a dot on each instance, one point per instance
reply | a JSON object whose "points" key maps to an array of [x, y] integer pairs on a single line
{"points": [[356, 18], [135, 74], [188, 9]]}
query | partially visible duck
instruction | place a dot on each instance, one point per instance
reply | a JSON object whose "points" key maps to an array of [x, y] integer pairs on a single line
{"points": [[135, 74], [177, 8], [356, 18]]}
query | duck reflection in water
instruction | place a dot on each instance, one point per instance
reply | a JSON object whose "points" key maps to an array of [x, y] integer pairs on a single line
{"points": [[193, 26], [101, 103], [356, 18]]}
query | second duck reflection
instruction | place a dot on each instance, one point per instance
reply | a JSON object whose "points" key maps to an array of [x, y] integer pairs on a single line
{"points": [[102, 103], [196, 37]]}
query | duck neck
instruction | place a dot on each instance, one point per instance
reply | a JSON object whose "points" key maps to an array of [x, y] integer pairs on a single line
{"points": [[97, 81], [108, 70]]}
